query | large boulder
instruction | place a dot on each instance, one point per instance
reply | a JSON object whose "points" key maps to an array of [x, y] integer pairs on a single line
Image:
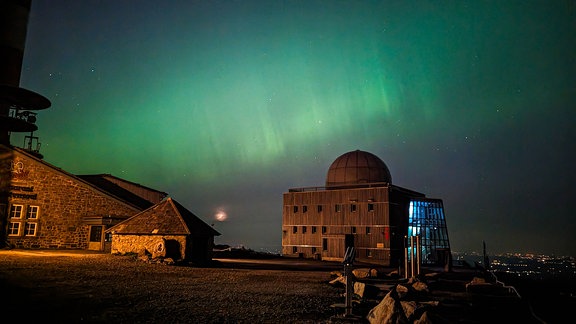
{"points": [[388, 311]]}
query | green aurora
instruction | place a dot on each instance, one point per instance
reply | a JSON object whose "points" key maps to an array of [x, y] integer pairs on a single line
{"points": [[225, 105]]}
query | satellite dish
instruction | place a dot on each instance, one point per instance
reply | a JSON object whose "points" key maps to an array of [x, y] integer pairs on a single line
{"points": [[22, 99]]}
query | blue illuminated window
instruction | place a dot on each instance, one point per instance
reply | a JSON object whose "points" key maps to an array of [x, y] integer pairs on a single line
{"points": [[426, 220]]}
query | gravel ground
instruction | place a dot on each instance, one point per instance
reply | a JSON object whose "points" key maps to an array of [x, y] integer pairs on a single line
{"points": [[94, 288]]}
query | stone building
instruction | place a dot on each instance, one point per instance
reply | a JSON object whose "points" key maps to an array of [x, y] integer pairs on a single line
{"points": [[166, 230], [360, 208], [45, 207]]}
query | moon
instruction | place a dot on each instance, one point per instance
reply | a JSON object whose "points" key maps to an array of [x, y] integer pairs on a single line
{"points": [[221, 216]]}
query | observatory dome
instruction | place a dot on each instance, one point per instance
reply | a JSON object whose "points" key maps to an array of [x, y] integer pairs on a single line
{"points": [[357, 167]]}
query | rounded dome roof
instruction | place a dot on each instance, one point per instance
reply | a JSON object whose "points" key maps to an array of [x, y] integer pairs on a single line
{"points": [[357, 167]]}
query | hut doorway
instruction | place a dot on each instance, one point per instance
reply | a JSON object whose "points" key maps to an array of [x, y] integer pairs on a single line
{"points": [[173, 249], [96, 241]]}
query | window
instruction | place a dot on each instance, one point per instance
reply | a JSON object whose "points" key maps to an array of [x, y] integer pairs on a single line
{"points": [[32, 212], [294, 229], [426, 218], [96, 233], [313, 249], [14, 228], [353, 229], [368, 230], [16, 211], [319, 208], [353, 208], [313, 229], [323, 229], [370, 207], [324, 244], [304, 209], [303, 229], [294, 249], [369, 253], [295, 209], [338, 208], [30, 229]]}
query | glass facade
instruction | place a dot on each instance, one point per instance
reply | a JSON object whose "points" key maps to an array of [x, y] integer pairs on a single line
{"points": [[427, 222]]}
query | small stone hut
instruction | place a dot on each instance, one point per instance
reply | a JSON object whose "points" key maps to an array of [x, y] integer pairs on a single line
{"points": [[165, 230]]}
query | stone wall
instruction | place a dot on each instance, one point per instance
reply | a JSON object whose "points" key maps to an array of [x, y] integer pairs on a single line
{"points": [[172, 246], [63, 201]]}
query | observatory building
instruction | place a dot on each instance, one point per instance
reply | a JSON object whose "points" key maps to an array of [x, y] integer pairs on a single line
{"points": [[359, 207]]}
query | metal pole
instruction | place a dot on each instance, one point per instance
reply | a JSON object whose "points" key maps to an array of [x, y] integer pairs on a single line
{"points": [[349, 288], [412, 255], [348, 261], [418, 254], [406, 257]]}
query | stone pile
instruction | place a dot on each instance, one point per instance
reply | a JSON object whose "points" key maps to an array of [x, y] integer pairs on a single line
{"points": [[430, 298]]}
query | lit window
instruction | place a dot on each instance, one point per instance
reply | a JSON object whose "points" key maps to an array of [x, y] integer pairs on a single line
{"points": [[16, 211], [32, 212], [370, 207], [14, 228], [30, 229]]}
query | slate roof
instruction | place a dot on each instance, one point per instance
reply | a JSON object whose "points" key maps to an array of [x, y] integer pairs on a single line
{"points": [[165, 218], [100, 181]]}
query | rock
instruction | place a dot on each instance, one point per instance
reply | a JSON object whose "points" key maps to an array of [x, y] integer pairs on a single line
{"points": [[359, 288], [145, 258], [420, 287], [409, 307], [363, 273], [388, 311], [402, 291], [338, 281]]}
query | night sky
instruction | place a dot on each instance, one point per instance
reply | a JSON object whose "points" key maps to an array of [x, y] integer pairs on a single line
{"points": [[225, 105]]}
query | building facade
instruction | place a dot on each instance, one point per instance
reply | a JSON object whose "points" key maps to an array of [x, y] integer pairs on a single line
{"points": [[45, 207], [359, 207]]}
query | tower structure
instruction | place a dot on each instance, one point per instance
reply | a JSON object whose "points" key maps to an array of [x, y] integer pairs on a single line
{"points": [[17, 105]]}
